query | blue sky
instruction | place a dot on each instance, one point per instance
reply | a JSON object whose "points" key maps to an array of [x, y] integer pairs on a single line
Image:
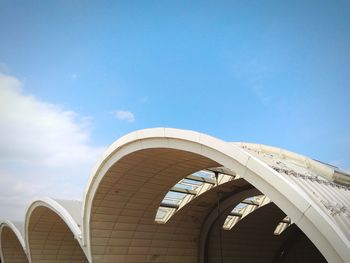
{"points": [[271, 72]]}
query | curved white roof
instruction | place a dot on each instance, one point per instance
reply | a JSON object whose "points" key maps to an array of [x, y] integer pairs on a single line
{"points": [[314, 195], [68, 210], [295, 201], [18, 229]]}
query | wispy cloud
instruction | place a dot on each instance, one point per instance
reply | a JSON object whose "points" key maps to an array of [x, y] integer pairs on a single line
{"points": [[262, 95], [125, 115], [254, 75], [145, 99], [44, 150]]}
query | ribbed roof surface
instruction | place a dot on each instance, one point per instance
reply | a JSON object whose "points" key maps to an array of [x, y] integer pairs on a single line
{"points": [[331, 197], [74, 209]]}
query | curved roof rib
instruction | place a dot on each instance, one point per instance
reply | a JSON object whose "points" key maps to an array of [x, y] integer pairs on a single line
{"points": [[137, 170], [53, 231], [12, 243]]}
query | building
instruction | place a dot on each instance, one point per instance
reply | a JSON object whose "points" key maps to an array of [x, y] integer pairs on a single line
{"points": [[169, 195]]}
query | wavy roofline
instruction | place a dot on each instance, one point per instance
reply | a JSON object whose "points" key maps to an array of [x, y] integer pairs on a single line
{"points": [[293, 200]]}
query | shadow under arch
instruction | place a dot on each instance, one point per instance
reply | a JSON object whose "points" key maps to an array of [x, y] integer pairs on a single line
{"points": [[13, 249], [52, 231], [144, 158], [252, 238]]}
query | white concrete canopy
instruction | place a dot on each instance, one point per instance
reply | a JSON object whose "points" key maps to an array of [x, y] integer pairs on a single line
{"points": [[287, 195], [12, 243], [52, 232], [116, 220]]}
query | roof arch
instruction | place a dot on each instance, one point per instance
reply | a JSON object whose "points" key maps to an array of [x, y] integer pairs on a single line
{"points": [[15, 244], [290, 197], [59, 218]]}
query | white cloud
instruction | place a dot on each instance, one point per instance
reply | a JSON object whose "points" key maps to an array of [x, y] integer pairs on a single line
{"points": [[124, 115], [44, 150]]}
